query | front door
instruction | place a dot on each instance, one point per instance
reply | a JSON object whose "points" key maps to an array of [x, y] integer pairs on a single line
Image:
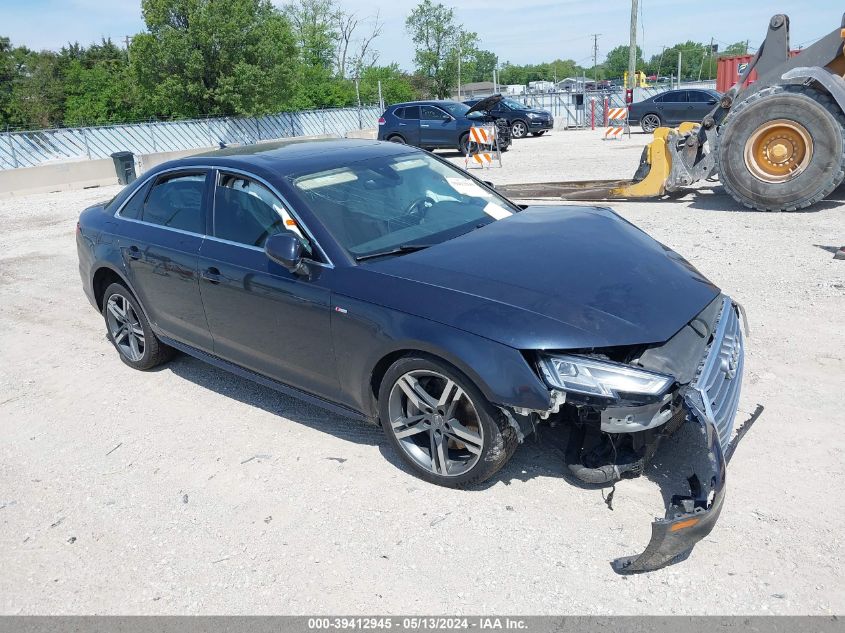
{"points": [[160, 246], [262, 316]]}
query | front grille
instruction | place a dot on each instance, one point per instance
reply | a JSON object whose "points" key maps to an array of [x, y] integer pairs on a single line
{"points": [[719, 377]]}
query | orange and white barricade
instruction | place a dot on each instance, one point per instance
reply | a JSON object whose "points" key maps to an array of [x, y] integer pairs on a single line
{"points": [[483, 146], [617, 123]]}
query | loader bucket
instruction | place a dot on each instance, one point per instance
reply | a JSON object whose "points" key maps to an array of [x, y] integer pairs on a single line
{"points": [[648, 182]]}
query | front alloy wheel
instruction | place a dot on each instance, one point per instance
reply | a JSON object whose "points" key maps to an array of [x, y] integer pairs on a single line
{"points": [[441, 425], [519, 129]]}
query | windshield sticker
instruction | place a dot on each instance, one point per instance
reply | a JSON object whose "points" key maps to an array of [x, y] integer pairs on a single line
{"points": [[496, 212]]}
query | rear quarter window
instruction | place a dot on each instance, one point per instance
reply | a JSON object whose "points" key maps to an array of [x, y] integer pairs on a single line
{"points": [[135, 205]]}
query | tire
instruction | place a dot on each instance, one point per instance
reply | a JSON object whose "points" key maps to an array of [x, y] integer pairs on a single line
{"points": [[464, 145], [129, 331], [396, 139], [540, 133], [812, 114], [650, 122], [478, 438], [519, 129]]}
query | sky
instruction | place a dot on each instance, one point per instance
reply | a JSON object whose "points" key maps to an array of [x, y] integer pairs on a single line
{"points": [[519, 31]]}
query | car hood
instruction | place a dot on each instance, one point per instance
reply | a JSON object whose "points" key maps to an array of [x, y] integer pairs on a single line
{"points": [[550, 277], [485, 104]]}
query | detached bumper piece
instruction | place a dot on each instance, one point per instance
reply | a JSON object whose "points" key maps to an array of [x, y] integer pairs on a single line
{"points": [[711, 401], [688, 518]]}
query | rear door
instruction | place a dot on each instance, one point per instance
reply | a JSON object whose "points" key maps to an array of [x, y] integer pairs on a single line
{"points": [[674, 108], [437, 128], [700, 104], [160, 245], [262, 316], [409, 124]]}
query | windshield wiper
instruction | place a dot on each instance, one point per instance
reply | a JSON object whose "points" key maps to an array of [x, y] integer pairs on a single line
{"points": [[398, 250]]}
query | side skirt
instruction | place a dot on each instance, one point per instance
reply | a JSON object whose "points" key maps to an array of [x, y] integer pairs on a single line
{"points": [[264, 380]]}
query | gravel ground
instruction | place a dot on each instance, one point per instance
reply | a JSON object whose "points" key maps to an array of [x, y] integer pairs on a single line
{"points": [[187, 490]]}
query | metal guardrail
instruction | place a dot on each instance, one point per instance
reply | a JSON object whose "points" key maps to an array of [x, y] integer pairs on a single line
{"points": [[37, 147]]}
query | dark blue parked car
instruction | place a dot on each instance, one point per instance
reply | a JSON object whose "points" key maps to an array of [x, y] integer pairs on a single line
{"points": [[382, 282], [437, 125], [672, 107], [521, 119]]}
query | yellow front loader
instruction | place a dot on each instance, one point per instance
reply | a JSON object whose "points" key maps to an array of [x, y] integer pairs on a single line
{"points": [[776, 145]]}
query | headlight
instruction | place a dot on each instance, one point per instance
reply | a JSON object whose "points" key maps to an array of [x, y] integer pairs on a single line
{"points": [[531, 115], [578, 374]]}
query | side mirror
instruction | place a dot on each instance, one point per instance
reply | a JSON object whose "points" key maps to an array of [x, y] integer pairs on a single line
{"points": [[489, 184], [448, 117], [286, 249]]}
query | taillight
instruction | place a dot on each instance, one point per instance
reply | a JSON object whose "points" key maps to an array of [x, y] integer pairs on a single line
{"points": [[381, 120]]}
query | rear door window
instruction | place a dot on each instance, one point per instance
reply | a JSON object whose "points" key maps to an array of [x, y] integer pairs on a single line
{"points": [[412, 113], [677, 96], [697, 96], [175, 201]]}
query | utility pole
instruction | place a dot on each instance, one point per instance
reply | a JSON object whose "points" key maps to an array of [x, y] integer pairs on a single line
{"points": [[595, 58], [679, 68], [632, 51], [459, 64]]}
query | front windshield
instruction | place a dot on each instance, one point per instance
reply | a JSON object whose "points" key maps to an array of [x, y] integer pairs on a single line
{"points": [[513, 105], [388, 203]]}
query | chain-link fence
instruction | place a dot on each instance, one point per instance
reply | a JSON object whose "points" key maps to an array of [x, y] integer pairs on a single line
{"points": [[31, 148], [572, 109]]}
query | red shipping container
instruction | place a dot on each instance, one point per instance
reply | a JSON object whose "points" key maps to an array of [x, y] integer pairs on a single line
{"points": [[730, 68]]}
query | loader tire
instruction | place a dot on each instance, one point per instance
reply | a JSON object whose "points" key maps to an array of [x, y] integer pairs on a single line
{"points": [[759, 156]]}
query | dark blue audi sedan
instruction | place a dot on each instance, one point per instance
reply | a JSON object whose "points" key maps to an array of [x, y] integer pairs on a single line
{"points": [[381, 282]]}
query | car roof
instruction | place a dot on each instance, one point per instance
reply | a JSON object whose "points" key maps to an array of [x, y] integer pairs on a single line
{"points": [[278, 159], [429, 102]]}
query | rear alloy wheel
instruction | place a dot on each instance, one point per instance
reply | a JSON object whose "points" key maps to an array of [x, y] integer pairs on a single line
{"points": [[441, 424], [130, 332], [397, 139], [519, 129], [782, 149], [650, 122]]}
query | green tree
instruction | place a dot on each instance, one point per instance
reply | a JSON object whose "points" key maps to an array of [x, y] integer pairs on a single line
{"points": [[396, 86], [97, 84], [7, 74], [737, 48], [434, 32], [37, 94], [314, 23], [616, 64], [203, 57]]}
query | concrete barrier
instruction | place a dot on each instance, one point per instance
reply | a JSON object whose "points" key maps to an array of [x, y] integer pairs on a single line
{"points": [[84, 174], [369, 132], [57, 177]]}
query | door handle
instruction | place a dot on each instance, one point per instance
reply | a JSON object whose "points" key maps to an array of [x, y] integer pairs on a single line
{"points": [[423, 125], [134, 252], [211, 275]]}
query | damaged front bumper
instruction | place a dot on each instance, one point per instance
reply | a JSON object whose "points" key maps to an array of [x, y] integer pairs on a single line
{"points": [[711, 401], [688, 518]]}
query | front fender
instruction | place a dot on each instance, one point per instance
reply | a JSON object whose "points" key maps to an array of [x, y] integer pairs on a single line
{"points": [[364, 334]]}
